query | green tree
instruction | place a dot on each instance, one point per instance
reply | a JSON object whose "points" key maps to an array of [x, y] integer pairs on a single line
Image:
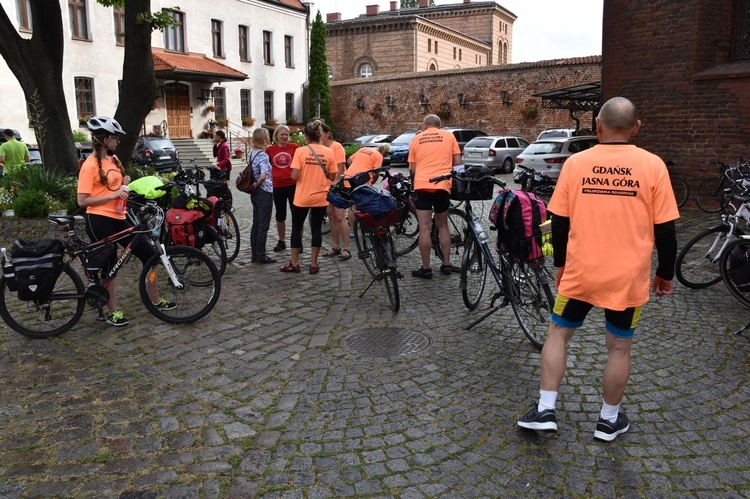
{"points": [[318, 77], [37, 64], [409, 4]]}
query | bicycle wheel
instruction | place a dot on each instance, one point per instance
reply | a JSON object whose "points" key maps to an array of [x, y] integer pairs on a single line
{"points": [[697, 265], [388, 271], [199, 279], [60, 311], [531, 299], [710, 195], [365, 248], [735, 269], [214, 248], [473, 273], [458, 228], [405, 235], [681, 190], [325, 228], [230, 232]]}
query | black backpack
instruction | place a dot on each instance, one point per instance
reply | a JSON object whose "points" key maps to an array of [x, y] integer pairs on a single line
{"points": [[37, 264]]}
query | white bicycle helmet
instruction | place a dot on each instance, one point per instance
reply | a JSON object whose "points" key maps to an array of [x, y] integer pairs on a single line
{"points": [[105, 124]]}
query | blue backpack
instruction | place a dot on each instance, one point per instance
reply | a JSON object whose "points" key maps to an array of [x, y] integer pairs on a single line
{"points": [[372, 200]]}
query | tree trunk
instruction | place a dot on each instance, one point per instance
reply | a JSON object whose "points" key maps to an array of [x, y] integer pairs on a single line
{"points": [[138, 81], [37, 64]]}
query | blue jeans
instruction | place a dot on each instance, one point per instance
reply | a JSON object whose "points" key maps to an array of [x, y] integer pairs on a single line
{"points": [[262, 208]]}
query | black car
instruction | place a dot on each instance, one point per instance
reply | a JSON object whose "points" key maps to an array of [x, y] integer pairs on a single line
{"points": [[83, 150], [157, 152]]}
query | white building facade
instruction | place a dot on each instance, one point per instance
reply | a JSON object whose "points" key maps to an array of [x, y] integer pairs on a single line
{"points": [[242, 60]]}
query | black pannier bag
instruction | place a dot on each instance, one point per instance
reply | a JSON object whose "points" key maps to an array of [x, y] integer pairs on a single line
{"points": [[474, 191], [219, 189], [37, 265]]}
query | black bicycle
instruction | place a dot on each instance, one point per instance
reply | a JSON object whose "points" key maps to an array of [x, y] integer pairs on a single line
{"points": [[183, 276]]}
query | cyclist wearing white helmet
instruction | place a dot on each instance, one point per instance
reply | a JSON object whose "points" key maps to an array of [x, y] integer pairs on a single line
{"points": [[99, 187]]}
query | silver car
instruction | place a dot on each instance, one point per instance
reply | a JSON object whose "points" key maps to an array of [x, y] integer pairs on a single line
{"points": [[497, 153], [547, 156]]}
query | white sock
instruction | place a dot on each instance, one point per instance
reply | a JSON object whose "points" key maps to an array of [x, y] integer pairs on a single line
{"points": [[547, 400], [609, 412]]}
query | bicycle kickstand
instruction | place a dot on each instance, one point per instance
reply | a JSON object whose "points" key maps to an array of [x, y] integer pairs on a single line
{"points": [[740, 331], [370, 285], [492, 310]]}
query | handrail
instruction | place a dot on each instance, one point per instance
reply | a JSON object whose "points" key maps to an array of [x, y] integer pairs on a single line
{"points": [[233, 135]]}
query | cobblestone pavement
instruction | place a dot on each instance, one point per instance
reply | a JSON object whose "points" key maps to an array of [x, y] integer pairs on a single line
{"points": [[261, 400]]}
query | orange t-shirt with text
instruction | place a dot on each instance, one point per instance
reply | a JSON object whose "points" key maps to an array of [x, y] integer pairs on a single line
{"points": [[364, 160], [339, 153], [432, 152], [313, 184], [613, 195], [89, 183]]}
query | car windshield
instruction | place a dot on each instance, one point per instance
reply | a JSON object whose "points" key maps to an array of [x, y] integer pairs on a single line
{"points": [[550, 134], [544, 148], [480, 142], [404, 138], [364, 138], [160, 144]]}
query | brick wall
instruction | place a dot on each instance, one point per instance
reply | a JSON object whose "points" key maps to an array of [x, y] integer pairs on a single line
{"points": [[670, 59], [481, 88]]}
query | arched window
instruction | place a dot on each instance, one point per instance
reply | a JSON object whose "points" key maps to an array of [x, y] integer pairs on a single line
{"points": [[432, 67], [505, 53], [365, 71]]}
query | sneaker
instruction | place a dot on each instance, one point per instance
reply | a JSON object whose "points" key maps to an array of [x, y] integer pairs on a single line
{"points": [[165, 305], [446, 269], [117, 319], [607, 431], [280, 246], [535, 420], [422, 273]]}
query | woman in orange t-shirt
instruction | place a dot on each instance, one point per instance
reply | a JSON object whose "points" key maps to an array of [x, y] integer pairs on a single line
{"points": [[365, 160], [314, 168], [100, 184], [337, 216]]}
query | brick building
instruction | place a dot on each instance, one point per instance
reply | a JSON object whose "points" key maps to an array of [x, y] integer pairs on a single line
{"points": [[398, 41], [686, 65]]}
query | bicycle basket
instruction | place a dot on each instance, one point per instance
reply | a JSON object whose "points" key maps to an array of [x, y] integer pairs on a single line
{"points": [[371, 222], [339, 196], [474, 191], [358, 179]]}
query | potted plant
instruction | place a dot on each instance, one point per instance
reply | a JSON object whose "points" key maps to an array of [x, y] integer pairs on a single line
{"points": [[83, 118], [248, 122], [6, 202], [271, 121], [529, 111], [210, 109], [222, 121], [238, 152], [292, 120]]}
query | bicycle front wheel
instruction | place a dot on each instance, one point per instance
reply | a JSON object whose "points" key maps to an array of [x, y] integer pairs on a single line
{"points": [[230, 233], [198, 290], [710, 196], [389, 272], [531, 299], [214, 248], [473, 273], [406, 234], [681, 191], [458, 228], [325, 227], [365, 248], [54, 315], [734, 263], [697, 265]]}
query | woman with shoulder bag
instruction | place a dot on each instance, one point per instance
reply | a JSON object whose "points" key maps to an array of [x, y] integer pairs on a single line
{"points": [[314, 168], [262, 196]]}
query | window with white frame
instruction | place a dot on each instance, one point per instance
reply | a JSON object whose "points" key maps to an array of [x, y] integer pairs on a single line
{"points": [[365, 71], [217, 40], [244, 43], [78, 23], [289, 51], [23, 12], [84, 91], [267, 47], [174, 35]]}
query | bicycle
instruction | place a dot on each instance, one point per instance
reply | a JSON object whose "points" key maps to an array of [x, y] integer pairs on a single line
{"points": [[697, 263], [680, 187], [372, 235], [525, 285], [184, 276], [734, 264], [532, 181], [710, 193]]}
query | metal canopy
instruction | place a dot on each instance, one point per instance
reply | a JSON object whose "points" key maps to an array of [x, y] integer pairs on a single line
{"points": [[583, 97]]}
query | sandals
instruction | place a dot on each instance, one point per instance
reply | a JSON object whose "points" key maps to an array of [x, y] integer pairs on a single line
{"points": [[314, 269], [290, 268], [345, 254], [334, 252]]}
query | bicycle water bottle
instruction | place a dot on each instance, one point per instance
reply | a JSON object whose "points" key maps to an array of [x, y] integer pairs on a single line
{"points": [[479, 230], [122, 203]]}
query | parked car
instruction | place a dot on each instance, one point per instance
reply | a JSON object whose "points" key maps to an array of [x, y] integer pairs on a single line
{"points": [[16, 135], [547, 156], [400, 148], [370, 140], [84, 150], [556, 132], [35, 156], [464, 135], [497, 153], [156, 151]]}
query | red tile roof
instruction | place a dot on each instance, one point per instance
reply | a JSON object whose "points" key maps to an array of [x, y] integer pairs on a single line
{"points": [[193, 63], [295, 4]]}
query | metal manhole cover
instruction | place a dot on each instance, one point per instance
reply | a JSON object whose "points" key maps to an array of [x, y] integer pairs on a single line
{"points": [[385, 342]]}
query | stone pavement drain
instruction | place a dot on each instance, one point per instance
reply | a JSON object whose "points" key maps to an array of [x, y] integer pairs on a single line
{"points": [[385, 342]]}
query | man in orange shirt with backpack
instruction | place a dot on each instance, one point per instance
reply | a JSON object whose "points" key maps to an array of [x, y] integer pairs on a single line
{"points": [[611, 205], [432, 153]]}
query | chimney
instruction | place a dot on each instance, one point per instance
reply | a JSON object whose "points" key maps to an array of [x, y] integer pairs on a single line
{"points": [[393, 6], [424, 3], [467, 1], [373, 10], [333, 16]]}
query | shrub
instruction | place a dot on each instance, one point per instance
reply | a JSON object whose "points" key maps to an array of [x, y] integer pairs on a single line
{"points": [[6, 199], [349, 150], [298, 138], [36, 178], [31, 204], [71, 203], [79, 136], [136, 171]]}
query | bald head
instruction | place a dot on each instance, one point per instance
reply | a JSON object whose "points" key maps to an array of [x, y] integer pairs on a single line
{"points": [[431, 120], [618, 114]]}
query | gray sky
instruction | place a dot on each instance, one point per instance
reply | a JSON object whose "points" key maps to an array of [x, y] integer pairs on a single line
{"points": [[545, 29]]}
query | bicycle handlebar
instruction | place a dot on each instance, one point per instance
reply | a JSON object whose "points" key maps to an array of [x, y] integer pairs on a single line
{"points": [[464, 178]]}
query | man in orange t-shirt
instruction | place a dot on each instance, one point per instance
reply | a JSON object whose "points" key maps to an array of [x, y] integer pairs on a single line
{"points": [[611, 205], [432, 153]]}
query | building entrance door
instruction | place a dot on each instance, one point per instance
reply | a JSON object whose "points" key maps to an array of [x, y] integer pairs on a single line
{"points": [[178, 111]]}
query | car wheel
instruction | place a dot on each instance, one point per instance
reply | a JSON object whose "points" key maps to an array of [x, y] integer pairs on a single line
{"points": [[507, 165]]}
